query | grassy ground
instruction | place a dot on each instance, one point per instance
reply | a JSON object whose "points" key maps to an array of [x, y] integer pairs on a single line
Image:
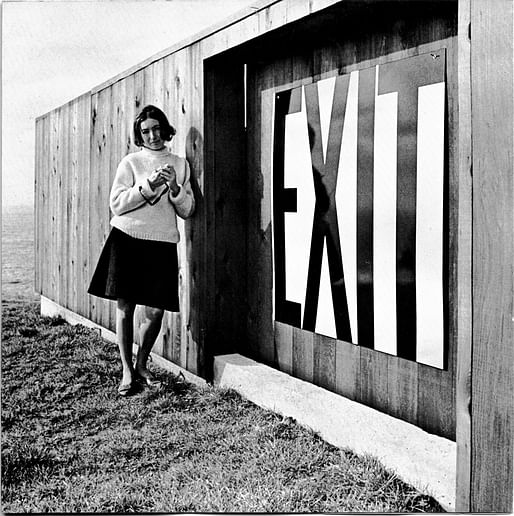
{"points": [[70, 444]]}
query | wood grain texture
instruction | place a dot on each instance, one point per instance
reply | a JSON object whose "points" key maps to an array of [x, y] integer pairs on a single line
{"points": [[45, 221], [38, 188], [222, 267], [83, 195], [56, 203], [190, 323], [116, 135], [324, 362], [284, 347], [493, 352], [464, 265], [259, 343], [347, 369], [73, 207], [387, 383], [303, 355], [98, 142]]}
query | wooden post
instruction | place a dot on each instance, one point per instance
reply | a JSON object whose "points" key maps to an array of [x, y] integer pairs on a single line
{"points": [[492, 348], [464, 267]]}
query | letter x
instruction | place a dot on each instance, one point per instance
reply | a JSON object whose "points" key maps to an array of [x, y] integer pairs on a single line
{"points": [[325, 224]]}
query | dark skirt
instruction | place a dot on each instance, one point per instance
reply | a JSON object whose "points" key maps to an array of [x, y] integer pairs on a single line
{"points": [[144, 272]]}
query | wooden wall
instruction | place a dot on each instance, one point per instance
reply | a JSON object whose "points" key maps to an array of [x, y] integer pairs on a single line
{"points": [[492, 385], [410, 391], [62, 204], [79, 147]]}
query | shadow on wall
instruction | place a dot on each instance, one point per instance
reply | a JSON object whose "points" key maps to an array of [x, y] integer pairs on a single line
{"points": [[195, 246]]}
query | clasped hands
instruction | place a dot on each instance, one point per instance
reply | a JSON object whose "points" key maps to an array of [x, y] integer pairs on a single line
{"points": [[162, 175]]}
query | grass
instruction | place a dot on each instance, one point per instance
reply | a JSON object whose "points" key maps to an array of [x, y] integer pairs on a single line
{"points": [[70, 444]]}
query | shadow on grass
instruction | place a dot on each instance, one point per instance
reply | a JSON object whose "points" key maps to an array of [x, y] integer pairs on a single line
{"points": [[71, 444]]}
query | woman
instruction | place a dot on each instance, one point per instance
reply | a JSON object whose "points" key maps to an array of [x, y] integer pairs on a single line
{"points": [[138, 264]]}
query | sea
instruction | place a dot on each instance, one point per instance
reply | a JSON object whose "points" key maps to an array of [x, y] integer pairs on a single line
{"points": [[18, 263]]}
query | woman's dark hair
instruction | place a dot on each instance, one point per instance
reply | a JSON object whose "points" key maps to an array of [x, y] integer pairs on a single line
{"points": [[167, 130]]}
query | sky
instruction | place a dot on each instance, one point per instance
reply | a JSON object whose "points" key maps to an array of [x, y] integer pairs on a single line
{"points": [[54, 51]]}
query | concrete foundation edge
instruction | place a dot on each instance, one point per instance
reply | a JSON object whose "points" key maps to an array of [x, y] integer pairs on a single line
{"points": [[423, 460]]}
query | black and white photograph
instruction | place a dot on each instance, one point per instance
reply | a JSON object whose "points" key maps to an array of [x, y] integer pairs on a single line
{"points": [[257, 256]]}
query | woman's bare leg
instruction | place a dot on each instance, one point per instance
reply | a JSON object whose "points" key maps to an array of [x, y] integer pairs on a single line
{"points": [[148, 332], [125, 337]]}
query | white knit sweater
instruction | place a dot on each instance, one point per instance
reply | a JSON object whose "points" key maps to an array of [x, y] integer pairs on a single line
{"points": [[142, 212]]}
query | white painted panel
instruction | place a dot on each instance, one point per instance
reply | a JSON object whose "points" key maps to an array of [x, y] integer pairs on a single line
{"points": [[346, 201], [326, 89], [325, 320], [384, 222], [298, 226], [429, 226]]}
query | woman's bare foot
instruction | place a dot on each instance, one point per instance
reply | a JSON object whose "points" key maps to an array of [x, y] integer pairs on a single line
{"points": [[145, 376]]}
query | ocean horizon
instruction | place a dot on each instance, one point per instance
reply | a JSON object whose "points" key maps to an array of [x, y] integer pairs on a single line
{"points": [[18, 259]]}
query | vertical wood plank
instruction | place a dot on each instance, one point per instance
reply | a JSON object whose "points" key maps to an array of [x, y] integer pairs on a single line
{"points": [[74, 208], [284, 347], [198, 235], [325, 362], [464, 265], [67, 207], [94, 207], [194, 149], [115, 143], [347, 369], [176, 342], [63, 206], [128, 115], [373, 388], [191, 111], [37, 203], [104, 185], [207, 214], [40, 193], [402, 388], [48, 181], [57, 237], [53, 198], [303, 354], [85, 222], [492, 355], [259, 343]]}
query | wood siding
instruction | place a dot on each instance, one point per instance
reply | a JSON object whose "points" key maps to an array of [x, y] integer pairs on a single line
{"points": [[492, 383], [416, 393]]}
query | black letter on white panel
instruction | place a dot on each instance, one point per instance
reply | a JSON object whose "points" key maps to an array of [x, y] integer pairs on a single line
{"points": [[325, 224], [284, 200]]}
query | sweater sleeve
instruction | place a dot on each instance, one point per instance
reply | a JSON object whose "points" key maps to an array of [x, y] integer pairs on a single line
{"points": [[127, 194], [184, 201]]}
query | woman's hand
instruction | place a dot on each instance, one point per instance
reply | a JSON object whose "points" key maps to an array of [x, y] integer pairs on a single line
{"points": [[160, 176], [172, 181]]}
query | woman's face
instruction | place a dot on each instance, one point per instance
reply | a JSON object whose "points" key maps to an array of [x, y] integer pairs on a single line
{"points": [[151, 134]]}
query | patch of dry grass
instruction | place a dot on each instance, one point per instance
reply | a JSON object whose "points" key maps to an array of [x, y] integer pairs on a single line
{"points": [[70, 444]]}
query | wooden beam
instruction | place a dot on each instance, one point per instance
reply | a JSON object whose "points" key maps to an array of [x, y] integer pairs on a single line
{"points": [[464, 284], [493, 350]]}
